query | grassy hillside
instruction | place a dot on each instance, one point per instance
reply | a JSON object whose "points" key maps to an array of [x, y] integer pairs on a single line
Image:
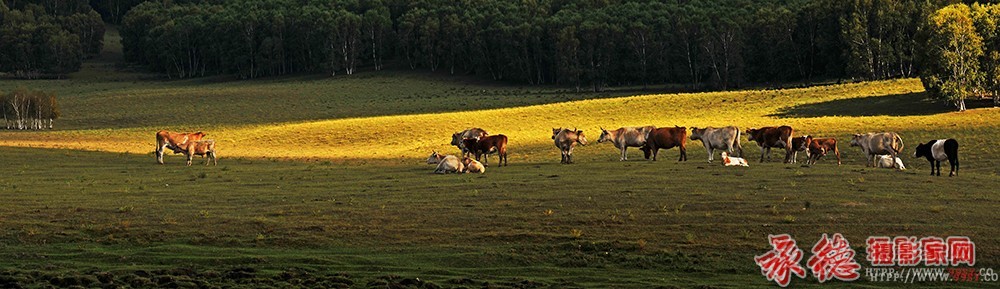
{"points": [[321, 183]]}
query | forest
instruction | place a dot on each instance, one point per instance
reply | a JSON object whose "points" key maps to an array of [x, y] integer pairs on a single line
{"points": [[44, 38]]}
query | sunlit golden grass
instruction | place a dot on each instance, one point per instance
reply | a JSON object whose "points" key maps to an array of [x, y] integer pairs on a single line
{"points": [[405, 137]]}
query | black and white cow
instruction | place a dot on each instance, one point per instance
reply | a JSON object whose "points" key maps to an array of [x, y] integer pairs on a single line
{"points": [[938, 150]]}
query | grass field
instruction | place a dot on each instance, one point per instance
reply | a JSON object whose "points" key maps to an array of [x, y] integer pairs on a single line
{"points": [[321, 183]]}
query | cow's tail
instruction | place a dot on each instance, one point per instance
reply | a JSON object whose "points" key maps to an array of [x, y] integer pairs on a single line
{"points": [[899, 140], [737, 147]]}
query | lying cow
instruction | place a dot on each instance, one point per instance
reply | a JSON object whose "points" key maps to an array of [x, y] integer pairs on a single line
{"points": [[938, 150], [473, 166], [435, 158], [201, 148], [882, 143], [772, 137], [886, 161], [473, 133], [724, 138], [733, 161], [800, 144], [819, 147], [449, 164], [173, 141], [666, 138], [626, 137], [488, 145], [565, 140]]}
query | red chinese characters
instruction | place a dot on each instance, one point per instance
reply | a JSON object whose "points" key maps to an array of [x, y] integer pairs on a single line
{"points": [[782, 261], [881, 251], [833, 258]]}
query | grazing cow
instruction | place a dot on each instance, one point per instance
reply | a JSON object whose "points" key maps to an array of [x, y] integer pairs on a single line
{"points": [[201, 148], [733, 161], [473, 133], [626, 137], [449, 164], [488, 145], [666, 138], [800, 144], [434, 158], [882, 143], [938, 150], [772, 137], [819, 147], [565, 140], [724, 138], [172, 140], [885, 161], [473, 166]]}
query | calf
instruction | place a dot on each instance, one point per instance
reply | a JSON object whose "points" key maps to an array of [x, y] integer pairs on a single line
{"points": [[449, 164], [819, 147], [772, 137], [201, 148], [434, 158], [488, 145], [733, 161], [800, 144], [666, 138], [938, 150], [473, 166], [724, 138], [886, 161]]}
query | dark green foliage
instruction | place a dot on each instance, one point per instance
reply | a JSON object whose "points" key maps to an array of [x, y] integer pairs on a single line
{"points": [[50, 38]]}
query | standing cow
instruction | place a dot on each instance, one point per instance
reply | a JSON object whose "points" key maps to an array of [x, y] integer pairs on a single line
{"points": [[666, 138], [819, 147], [488, 145], [772, 137], [800, 144], [880, 143], [938, 150], [626, 137], [565, 140], [724, 138], [473, 133], [173, 141]]}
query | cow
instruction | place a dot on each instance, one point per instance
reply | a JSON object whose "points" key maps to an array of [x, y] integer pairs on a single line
{"points": [[772, 137], [723, 138], [473, 166], [449, 164], [488, 145], [201, 148], [626, 137], [800, 144], [882, 143], [733, 161], [886, 161], [168, 139], [435, 158], [473, 133], [666, 138], [938, 150], [819, 147], [565, 140]]}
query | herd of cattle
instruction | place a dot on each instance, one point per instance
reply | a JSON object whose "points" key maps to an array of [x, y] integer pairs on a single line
{"points": [[882, 149]]}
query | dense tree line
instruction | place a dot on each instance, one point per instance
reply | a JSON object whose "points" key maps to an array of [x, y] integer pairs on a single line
{"points": [[26, 109], [961, 53], [47, 37]]}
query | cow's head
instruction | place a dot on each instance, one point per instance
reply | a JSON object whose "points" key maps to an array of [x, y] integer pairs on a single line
{"points": [[806, 140], [922, 150], [646, 151], [605, 136], [456, 138], [696, 133], [434, 158], [555, 132], [750, 132], [856, 140], [580, 138]]}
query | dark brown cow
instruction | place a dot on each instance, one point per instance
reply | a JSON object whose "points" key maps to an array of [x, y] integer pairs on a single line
{"points": [[818, 148], [487, 145], [772, 137], [666, 138]]}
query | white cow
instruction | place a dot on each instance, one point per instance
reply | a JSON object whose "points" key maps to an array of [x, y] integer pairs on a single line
{"points": [[885, 161], [733, 161]]}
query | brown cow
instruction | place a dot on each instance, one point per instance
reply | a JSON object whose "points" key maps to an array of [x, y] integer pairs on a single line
{"points": [[666, 138], [487, 145], [768, 137], [201, 148], [172, 140], [818, 148], [800, 144]]}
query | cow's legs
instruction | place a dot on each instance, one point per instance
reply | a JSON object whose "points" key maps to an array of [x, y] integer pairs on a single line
{"points": [[763, 151], [684, 154], [711, 153], [938, 164], [953, 161], [159, 152]]}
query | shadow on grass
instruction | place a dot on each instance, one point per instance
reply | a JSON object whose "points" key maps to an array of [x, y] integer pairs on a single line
{"points": [[907, 104]]}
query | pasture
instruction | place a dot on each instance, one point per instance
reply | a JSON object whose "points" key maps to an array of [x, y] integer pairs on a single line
{"points": [[322, 182]]}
